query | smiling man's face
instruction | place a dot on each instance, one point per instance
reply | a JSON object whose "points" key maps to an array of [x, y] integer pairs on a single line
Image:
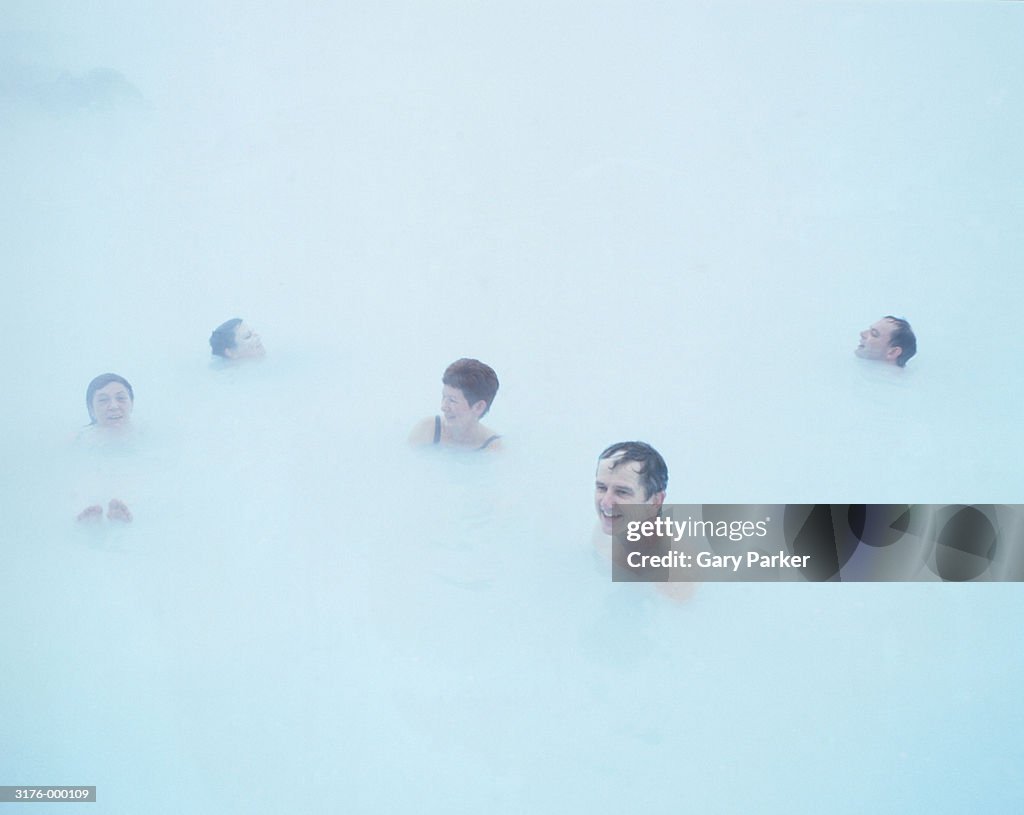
{"points": [[618, 482]]}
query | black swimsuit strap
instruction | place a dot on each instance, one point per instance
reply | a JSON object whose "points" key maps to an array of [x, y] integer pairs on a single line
{"points": [[437, 430], [492, 438]]}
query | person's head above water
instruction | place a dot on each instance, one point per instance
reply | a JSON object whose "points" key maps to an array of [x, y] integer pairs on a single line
{"points": [[471, 382], [630, 472], [890, 340], [468, 393], [110, 399], [236, 340]]}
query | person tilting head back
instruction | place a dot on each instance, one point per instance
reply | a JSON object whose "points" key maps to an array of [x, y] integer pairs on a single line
{"points": [[889, 340], [236, 340]]}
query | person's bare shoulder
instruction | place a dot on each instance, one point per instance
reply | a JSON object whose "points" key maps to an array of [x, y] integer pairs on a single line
{"points": [[423, 432]]}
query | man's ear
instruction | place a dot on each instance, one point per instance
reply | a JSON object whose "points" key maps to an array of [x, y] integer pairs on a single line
{"points": [[658, 499], [230, 353], [893, 353]]}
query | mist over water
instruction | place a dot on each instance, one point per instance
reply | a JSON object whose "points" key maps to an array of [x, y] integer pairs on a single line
{"points": [[657, 224]]}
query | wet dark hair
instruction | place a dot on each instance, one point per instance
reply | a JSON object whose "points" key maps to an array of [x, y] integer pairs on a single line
{"points": [[223, 336], [903, 338], [653, 471], [100, 382], [476, 381]]}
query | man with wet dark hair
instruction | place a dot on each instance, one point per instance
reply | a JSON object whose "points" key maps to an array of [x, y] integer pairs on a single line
{"points": [[630, 472], [629, 489], [889, 340]]}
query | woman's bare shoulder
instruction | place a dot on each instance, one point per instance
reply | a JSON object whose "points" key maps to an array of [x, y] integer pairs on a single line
{"points": [[423, 431]]}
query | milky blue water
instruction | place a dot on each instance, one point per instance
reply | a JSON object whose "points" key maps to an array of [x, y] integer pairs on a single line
{"points": [[667, 224]]}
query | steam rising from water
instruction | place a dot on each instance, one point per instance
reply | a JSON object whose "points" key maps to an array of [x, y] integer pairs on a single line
{"points": [[665, 225]]}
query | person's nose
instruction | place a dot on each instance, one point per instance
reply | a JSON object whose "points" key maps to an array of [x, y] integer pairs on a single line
{"points": [[863, 335], [606, 502]]}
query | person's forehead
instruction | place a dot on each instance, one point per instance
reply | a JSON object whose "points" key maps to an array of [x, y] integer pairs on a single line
{"points": [[112, 389], [451, 390], [615, 470], [884, 326]]}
